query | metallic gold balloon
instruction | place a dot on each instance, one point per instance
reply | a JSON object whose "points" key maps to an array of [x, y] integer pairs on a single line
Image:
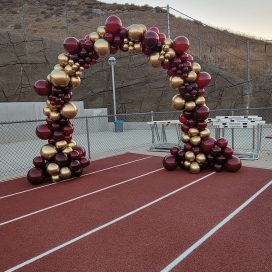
{"points": [[205, 133], [178, 102], [58, 66], [46, 111], [135, 32], [52, 169], [75, 81], [200, 100], [69, 70], [168, 42], [138, 47], [143, 27], [131, 49], [51, 107], [126, 40], [61, 144], [193, 132], [54, 115], [175, 82], [196, 67], [71, 62], [63, 59], [190, 156], [48, 78], [48, 151], [196, 140], [101, 31], [74, 67], [200, 158], [191, 76], [69, 110], [72, 144], [131, 43], [65, 173], [194, 168], [102, 47], [81, 69], [125, 47], [185, 138], [59, 78], [78, 74], [154, 60], [55, 178], [67, 150], [165, 48], [170, 54], [161, 57], [186, 164], [190, 105], [93, 36]]}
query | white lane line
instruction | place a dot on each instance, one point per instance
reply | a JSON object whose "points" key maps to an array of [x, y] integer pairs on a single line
{"points": [[189, 250], [79, 197], [95, 172], [92, 231]]}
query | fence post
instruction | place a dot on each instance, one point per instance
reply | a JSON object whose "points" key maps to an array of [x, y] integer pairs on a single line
{"points": [[152, 116], [168, 22], [88, 138]]}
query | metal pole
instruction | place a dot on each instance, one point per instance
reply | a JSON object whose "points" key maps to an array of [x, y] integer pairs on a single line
{"points": [[168, 22], [88, 138], [112, 62], [248, 78]]}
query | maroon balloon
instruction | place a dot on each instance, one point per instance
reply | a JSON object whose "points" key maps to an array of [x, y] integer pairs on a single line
{"points": [[61, 159], [55, 126], [151, 39], [52, 141], [188, 114], [201, 113], [71, 45], [203, 79], [201, 125], [74, 165], [196, 150], [155, 29], [191, 123], [123, 33], [182, 119], [108, 37], [218, 167], [181, 44], [81, 150], [221, 159], [39, 162], [187, 147], [67, 130], [88, 45], [233, 164], [42, 87], [190, 58], [58, 135], [84, 162], [174, 150], [113, 24], [74, 155], [201, 92], [185, 128], [227, 152], [35, 176], [181, 154], [68, 138], [209, 158], [78, 172], [162, 37], [216, 151], [170, 162], [43, 132], [222, 142], [207, 144]]}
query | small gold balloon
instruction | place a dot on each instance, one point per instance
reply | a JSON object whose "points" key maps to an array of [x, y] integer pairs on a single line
{"points": [[101, 31], [166, 61], [138, 47], [72, 144], [161, 57], [69, 110], [48, 78], [78, 74], [168, 42], [154, 60], [185, 138], [165, 48], [81, 69], [61, 144], [131, 43], [71, 62], [57, 66], [205, 133], [67, 150], [55, 178], [200, 100], [135, 32], [143, 27], [194, 168], [126, 40], [190, 156], [191, 76], [63, 59], [69, 70], [74, 67], [75, 81], [175, 82], [59, 78], [125, 47], [131, 49], [102, 47], [190, 105], [186, 164], [93, 36], [52, 169], [46, 111], [54, 115], [48, 151], [196, 67], [171, 53], [193, 132], [51, 107], [200, 158], [178, 102], [65, 173], [196, 140]]}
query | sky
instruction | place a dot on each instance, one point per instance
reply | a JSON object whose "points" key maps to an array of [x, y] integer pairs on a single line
{"points": [[250, 17]]}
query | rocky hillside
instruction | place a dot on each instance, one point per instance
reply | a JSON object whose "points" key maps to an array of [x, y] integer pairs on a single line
{"points": [[32, 31]]}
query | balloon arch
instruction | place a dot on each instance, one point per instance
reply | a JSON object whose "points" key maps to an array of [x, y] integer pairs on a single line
{"points": [[61, 158]]}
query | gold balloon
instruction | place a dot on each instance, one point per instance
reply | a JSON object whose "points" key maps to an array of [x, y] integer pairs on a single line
{"points": [[196, 140], [59, 78], [48, 151], [75, 81], [186, 164], [190, 105], [93, 36], [51, 107], [71, 62], [74, 67], [61, 144], [143, 27], [48, 78], [193, 132], [46, 111], [185, 138], [55, 178], [65, 173], [102, 47], [58, 66], [135, 32], [200, 158], [196, 67], [78, 74], [191, 76], [125, 47], [200, 100], [194, 168], [154, 60], [138, 47], [69, 70], [178, 102], [101, 31], [63, 59], [131, 49], [131, 43], [67, 150], [161, 57], [170, 54], [175, 82], [165, 48], [205, 133], [190, 156], [54, 115], [81, 69], [168, 42], [52, 169], [72, 144], [69, 110]]}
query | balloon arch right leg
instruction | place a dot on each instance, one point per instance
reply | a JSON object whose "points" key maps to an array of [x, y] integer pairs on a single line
{"points": [[61, 158]]}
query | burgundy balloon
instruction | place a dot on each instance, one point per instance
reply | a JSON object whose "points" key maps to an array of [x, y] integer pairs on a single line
{"points": [[123, 33], [58, 135], [39, 162], [74, 155], [182, 119], [52, 141], [68, 138], [155, 29], [68, 129], [190, 58], [162, 37], [78, 172], [191, 122], [174, 150], [42, 87], [88, 45], [196, 150], [233, 164], [201, 92], [113, 24], [151, 39], [117, 41], [188, 114], [71, 45], [222, 142], [75, 165], [221, 159], [218, 167], [108, 37], [55, 126], [184, 57], [61, 159], [201, 113], [203, 79], [170, 162], [227, 152], [84, 162], [181, 154], [185, 128], [187, 147], [43, 132], [201, 125], [35, 176], [210, 158], [181, 44], [81, 150], [216, 151], [207, 144]]}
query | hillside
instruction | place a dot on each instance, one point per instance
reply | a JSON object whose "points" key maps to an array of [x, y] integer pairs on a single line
{"points": [[32, 32]]}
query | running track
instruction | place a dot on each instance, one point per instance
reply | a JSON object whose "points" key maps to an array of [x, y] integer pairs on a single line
{"points": [[128, 214]]}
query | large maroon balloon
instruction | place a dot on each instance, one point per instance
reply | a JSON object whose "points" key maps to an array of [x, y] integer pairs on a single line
{"points": [[203, 79], [151, 39], [43, 132], [222, 142], [170, 162], [81, 150], [74, 155], [181, 44], [233, 164], [207, 144], [227, 152], [174, 150], [84, 162], [155, 29], [113, 24], [216, 151], [35, 176], [74, 165], [42, 87], [201, 113], [39, 162], [61, 159], [71, 45]]}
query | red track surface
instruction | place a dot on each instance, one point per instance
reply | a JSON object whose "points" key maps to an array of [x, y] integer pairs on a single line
{"points": [[147, 240]]}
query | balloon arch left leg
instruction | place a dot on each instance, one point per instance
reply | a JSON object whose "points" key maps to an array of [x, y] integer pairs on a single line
{"points": [[61, 158]]}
